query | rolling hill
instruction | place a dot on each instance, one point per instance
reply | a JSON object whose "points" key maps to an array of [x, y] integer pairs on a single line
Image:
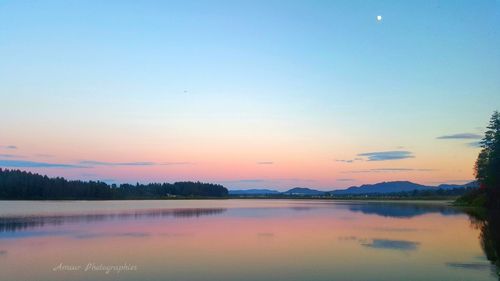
{"points": [[377, 188]]}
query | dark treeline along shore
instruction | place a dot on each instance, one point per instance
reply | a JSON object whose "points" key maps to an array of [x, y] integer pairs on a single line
{"points": [[483, 203], [21, 185]]}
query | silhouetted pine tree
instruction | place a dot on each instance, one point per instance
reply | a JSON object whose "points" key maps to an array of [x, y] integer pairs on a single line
{"points": [[21, 185]]}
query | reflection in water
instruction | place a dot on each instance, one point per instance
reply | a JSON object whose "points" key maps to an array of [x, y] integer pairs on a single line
{"points": [[106, 235], [400, 245], [21, 223], [401, 210], [478, 266], [289, 240], [383, 244], [472, 265], [488, 222]]}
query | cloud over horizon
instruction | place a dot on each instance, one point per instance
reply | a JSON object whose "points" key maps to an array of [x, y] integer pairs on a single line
{"points": [[99, 163], [346, 179], [15, 163], [388, 170], [34, 164], [401, 169], [460, 136], [10, 156], [8, 146], [349, 160], [134, 163], [387, 155]]}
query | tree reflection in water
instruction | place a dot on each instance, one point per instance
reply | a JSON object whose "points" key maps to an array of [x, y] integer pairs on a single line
{"points": [[21, 223], [488, 222]]}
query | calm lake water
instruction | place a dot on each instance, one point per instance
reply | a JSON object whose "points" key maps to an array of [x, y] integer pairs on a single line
{"points": [[238, 240]]}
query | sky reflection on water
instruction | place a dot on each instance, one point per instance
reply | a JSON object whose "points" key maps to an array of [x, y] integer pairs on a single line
{"points": [[230, 239]]}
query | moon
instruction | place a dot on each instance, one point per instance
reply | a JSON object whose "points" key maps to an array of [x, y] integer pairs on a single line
{"points": [[379, 18]]}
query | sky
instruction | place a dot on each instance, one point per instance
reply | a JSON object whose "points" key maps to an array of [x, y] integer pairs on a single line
{"points": [[248, 94]]}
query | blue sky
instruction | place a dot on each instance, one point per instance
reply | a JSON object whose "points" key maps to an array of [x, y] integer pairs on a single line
{"points": [[224, 84]]}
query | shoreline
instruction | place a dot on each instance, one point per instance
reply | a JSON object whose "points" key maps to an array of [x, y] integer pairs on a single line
{"points": [[439, 201]]}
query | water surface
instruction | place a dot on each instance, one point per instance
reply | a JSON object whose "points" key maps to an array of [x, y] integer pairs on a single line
{"points": [[238, 240]]}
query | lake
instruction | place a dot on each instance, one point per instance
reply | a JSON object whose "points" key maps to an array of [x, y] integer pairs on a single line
{"points": [[238, 240]]}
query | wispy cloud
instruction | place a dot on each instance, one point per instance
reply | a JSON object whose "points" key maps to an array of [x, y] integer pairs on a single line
{"points": [[400, 170], [33, 164], [344, 160], [265, 163], [349, 160], [388, 170], [387, 155], [356, 171], [134, 163], [99, 163], [8, 146], [346, 179], [10, 156], [460, 136]]}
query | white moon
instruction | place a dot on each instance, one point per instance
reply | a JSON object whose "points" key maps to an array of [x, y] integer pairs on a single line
{"points": [[379, 18]]}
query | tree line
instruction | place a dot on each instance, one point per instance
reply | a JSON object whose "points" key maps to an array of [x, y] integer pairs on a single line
{"points": [[487, 197], [22, 185], [487, 170]]}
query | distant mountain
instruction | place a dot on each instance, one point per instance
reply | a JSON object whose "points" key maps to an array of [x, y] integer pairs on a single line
{"points": [[253, 192], [397, 186], [378, 188], [303, 191], [383, 187]]}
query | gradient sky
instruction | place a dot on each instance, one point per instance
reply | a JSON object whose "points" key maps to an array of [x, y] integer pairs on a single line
{"points": [[249, 94]]}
